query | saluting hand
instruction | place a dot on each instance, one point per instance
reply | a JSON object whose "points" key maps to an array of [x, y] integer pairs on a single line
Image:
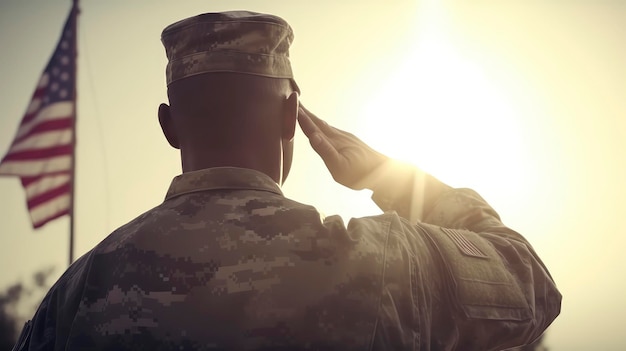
{"points": [[350, 161]]}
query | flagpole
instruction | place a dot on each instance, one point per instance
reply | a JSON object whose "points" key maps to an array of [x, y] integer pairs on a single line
{"points": [[76, 11]]}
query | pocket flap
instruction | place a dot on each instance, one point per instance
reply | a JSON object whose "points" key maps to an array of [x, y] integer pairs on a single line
{"points": [[481, 283]]}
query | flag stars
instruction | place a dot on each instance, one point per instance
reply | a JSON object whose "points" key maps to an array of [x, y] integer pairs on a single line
{"points": [[63, 93], [65, 44], [65, 76], [65, 60], [54, 87]]}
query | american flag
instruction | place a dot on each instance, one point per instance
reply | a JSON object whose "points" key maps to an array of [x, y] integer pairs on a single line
{"points": [[43, 149]]}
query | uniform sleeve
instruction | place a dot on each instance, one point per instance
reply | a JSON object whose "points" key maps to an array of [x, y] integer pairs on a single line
{"points": [[50, 326], [496, 292], [39, 332]]}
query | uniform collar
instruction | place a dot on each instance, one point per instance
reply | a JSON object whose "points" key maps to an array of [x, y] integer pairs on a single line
{"points": [[221, 178]]}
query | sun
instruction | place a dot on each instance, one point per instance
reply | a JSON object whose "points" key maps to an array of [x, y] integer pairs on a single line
{"points": [[442, 112]]}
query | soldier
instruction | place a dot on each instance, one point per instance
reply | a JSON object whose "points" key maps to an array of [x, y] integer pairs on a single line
{"points": [[226, 262]]}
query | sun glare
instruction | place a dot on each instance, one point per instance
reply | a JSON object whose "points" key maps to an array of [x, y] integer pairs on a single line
{"points": [[439, 111]]}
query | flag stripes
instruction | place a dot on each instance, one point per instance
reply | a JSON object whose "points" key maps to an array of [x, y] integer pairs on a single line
{"points": [[36, 186], [45, 139], [53, 165], [56, 111], [464, 244], [48, 195], [53, 209], [42, 151], [37, 154]]}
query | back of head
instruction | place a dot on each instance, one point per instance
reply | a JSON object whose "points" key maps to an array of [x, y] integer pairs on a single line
{"points": [[231, 89], [228, 110]]}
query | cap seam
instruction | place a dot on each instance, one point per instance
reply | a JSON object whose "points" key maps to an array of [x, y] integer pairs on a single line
{"points": [[229, 51], [173, 31], [232, 71]]}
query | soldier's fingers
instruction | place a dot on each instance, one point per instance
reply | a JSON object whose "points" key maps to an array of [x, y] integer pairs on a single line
{"points": [[320, 123], [326, 150], [318, 140], [307, 125]]}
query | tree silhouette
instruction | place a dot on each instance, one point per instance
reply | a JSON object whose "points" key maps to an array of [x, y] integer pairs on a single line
{"points": [[10, 320]]}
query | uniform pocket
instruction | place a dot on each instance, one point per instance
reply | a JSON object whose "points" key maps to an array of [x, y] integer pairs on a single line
{"points": [[478, 279]]}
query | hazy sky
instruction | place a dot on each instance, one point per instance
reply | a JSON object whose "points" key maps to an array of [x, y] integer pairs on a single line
{"points": [[523, 101]]}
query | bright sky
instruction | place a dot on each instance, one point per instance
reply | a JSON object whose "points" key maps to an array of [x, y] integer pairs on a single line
{"points": [[523, 101]]}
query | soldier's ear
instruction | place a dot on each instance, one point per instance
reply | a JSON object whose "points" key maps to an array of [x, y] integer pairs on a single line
{"points": [[290, 116], [167, 126]]}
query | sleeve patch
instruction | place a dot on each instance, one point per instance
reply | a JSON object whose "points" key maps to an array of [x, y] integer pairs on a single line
{"points": [[467, 247]]}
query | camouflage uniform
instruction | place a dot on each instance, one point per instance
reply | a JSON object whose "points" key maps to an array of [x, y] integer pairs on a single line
{"points": [[227, 262]]}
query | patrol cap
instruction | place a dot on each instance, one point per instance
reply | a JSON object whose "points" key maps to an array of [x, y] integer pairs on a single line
{"points": [[234, 41]]}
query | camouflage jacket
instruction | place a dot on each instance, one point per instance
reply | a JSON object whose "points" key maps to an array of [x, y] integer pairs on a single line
{"points": [[226, 262]]}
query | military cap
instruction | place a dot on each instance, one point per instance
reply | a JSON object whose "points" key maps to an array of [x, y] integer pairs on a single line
{"points": [[233, 41]]}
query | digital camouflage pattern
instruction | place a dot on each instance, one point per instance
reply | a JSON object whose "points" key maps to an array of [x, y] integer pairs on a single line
{"points": [[235, 41], [226, 262]]}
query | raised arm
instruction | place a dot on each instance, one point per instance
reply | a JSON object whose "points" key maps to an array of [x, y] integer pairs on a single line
{"points": [[352, 163], [496, 292]]}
